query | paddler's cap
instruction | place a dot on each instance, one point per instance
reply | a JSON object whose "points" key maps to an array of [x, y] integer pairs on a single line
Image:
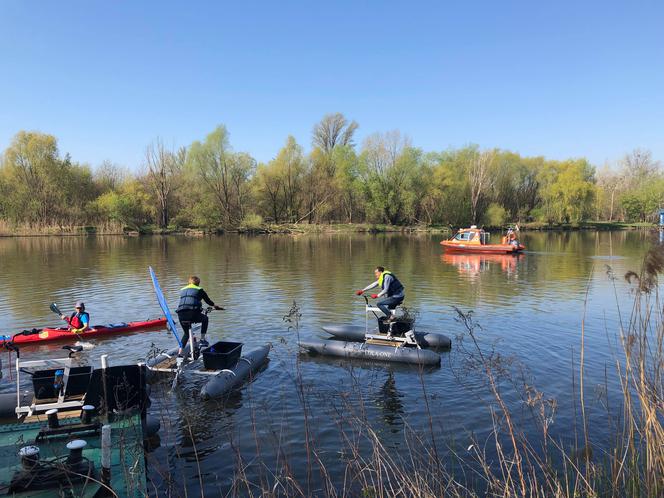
{"points": [[79, 304]]}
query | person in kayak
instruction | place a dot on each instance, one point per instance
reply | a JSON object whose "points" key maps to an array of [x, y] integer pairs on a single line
{"points": [[190, 310], [79, 321], [392, 290]]}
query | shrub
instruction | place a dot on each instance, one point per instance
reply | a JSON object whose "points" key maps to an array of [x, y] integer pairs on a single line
{"points": [[495, 215], [252, 221]]}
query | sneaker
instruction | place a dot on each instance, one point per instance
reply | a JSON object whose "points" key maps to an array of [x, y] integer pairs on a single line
{"points": [[203, 343], [392, 318]]}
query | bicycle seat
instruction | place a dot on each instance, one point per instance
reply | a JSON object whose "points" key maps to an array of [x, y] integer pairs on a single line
{"points": [[73, 349]]}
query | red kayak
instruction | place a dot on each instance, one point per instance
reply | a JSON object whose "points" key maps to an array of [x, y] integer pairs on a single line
{"points": [[62, 333]]}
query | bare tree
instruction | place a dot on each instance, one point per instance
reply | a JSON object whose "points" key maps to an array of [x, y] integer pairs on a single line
{"points": [[639, 167], [381, 150], [243, 166], [479, 174], [163, 166], [333, 130], [110, 176], [611, 182]]}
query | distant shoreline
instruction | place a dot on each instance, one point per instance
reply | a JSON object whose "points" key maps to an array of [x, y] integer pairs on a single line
{"points": [[302, 229]]}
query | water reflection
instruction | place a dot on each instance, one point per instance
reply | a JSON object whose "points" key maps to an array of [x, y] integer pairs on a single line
{"points": [[472, 265], [389, 400]]}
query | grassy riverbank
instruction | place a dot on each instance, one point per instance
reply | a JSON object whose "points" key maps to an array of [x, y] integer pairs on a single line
{"points": [[7, 230]]}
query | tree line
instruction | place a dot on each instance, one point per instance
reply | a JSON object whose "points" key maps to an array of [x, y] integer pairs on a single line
{"points": [[385, 180]]}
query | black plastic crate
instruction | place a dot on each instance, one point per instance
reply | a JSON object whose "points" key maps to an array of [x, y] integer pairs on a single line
{"points": [[399, 327], [77, 383], [222, 354]]}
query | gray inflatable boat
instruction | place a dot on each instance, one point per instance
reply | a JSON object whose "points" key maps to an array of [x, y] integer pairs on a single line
{"points": [[356, 333], [220, 382], [361, 350]]}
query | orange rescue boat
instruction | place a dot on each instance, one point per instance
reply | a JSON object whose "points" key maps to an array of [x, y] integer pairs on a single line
{"points": [[475, 239]]}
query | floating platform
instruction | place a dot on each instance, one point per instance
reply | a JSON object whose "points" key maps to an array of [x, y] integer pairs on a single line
{"points": [[220, 382], [371, 351], [356, 333]]}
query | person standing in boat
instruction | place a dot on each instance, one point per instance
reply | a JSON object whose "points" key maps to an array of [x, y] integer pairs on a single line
{"points": [[392, 291], [79, 321], [190, 310]]}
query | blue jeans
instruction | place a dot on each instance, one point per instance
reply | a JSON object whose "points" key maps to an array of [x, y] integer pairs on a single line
{"points": [[389, 303]]}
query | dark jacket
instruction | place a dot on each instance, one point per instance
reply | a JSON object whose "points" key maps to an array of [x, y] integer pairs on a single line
{"points": [[192, 297]]}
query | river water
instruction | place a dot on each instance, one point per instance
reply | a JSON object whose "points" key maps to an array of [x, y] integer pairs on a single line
{"points": [[529, 309]]}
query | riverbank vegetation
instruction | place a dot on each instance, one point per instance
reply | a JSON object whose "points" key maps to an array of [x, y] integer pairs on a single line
{"points": [[384, 181]]}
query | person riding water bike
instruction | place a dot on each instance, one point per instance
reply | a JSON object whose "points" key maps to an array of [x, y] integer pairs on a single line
{"points": [[392, 290], [79, 321], [190, 310]]}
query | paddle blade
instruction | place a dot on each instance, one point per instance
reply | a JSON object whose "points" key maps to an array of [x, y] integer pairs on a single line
{"points": [[55, 309]]}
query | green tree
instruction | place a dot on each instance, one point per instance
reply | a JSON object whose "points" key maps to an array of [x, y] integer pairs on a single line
{"points": [[348, 184], [388, 169], [495, 215], [270, 193], [643, 204], [33, 169], [568, 190], [40, 188], [290, 166], [279, 183], [321, 187], [129, 205], [224, 174]]}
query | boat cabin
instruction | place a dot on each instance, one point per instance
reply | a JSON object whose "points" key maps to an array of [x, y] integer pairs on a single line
{"points": [[472, 235]]}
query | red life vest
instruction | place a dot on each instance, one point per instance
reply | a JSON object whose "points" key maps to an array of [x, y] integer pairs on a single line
{"points": [[75, 320]]}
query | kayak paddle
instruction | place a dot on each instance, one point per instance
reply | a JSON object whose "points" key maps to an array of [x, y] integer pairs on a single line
{"points": [[55, 309]]}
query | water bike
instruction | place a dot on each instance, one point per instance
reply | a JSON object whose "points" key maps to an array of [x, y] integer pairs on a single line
{"points": [[222, 363], [393, 340]]}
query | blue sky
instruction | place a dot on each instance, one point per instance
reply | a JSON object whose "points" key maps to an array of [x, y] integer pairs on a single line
{"points": [[560, 79]]}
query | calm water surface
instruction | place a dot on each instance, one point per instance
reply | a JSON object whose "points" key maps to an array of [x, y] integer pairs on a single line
{"points": [[530, 308]]}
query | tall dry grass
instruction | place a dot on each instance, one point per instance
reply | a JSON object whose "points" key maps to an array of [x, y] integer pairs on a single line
{"points": [[65, 228]]}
